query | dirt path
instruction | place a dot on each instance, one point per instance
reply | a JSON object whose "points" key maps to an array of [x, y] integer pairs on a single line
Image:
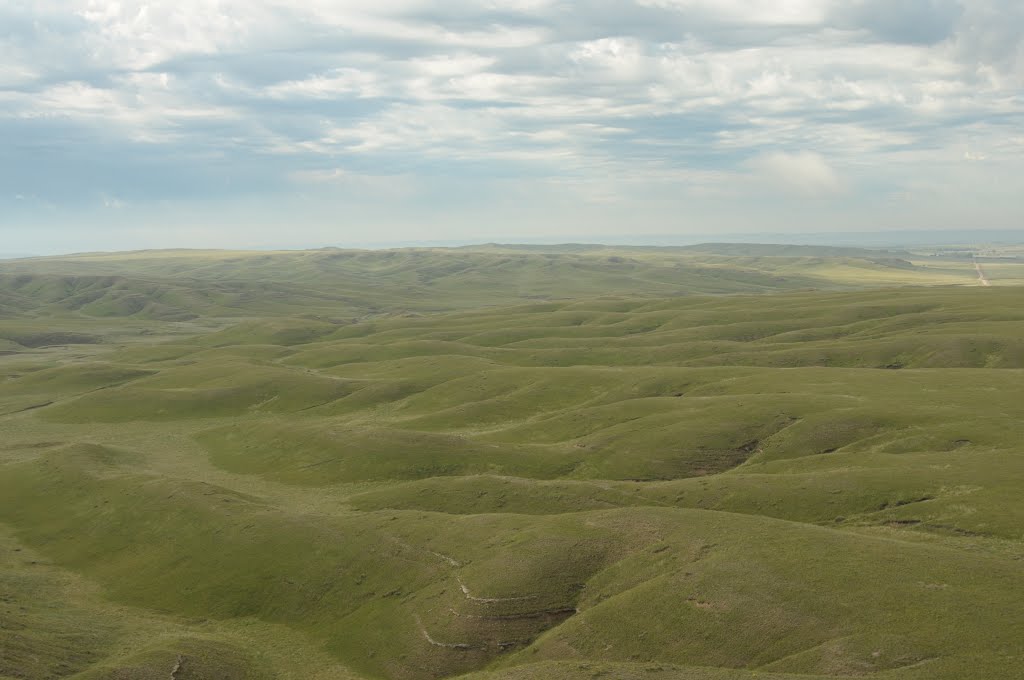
{"points": [[981, 273], [177, 668], [446, 645], [469, 596]]}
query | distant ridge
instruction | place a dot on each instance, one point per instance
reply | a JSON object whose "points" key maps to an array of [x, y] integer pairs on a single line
{"points": [[724, 249], [179, 285], [791, 250], [887, 239]]}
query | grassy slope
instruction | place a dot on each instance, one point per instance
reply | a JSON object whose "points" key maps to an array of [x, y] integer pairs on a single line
{"points": [[332, 283], [687, 488]]}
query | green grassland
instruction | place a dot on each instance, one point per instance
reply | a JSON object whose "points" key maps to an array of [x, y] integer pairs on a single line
{"points": [[509, 463], [341, 284]]}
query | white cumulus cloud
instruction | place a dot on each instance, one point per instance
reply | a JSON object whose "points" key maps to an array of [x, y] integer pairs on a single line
{"points": [[802, 172]]}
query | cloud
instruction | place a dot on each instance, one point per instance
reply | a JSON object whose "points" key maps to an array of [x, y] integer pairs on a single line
{"points": [[922, 22], [645, 104], [804, 173], [990, 42], [749, 12], [112, 202], [357, 186]]}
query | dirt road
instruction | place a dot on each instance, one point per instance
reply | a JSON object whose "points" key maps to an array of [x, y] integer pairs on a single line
{"points": [[981, 273]]}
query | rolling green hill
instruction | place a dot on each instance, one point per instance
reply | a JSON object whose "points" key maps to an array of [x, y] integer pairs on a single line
{"points": [[334, 283], [404, 465]]}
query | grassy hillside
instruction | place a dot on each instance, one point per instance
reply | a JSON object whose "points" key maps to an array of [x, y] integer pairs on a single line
{"points": [[810, 484], [334, 283]]}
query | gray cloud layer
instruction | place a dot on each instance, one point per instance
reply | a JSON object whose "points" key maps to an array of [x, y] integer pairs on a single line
{"points": [[155, 120]]}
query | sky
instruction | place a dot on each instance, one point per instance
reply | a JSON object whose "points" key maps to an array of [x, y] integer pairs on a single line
{"points": [[271, 123]]}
